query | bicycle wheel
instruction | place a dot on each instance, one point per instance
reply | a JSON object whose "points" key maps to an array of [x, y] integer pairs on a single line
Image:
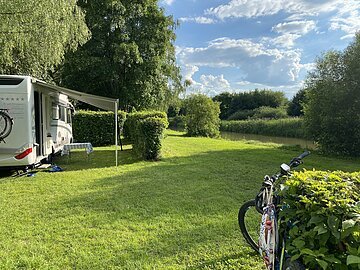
{"points": [[250, 221]]}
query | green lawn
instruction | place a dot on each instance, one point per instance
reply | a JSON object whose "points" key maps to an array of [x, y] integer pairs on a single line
{"points": [[180, 212]]}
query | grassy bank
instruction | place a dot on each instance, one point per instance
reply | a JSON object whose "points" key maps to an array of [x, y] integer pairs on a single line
{"points": [[178, 213], [288, 127]]}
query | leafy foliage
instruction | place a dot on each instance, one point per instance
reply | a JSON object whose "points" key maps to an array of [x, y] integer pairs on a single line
{"points": [[35, 34], [290, 127], [96, 127], [332, 113], [232, 103], [202, 116], [130, 56], [177, 122], [325, 210], [296, 105], [146, 131], [241, 115], [265, 112]]}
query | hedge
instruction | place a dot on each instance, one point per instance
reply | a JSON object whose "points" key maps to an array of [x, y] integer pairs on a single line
{"points": [[96, 127], [324, 210], [146, 131], [132, 118], [289, 127]]}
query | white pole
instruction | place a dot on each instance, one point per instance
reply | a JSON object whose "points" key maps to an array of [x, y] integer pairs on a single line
{"points": [[116, 132]]}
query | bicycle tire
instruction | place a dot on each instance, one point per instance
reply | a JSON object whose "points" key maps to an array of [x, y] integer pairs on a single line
{"points": [[293, 265], [242, 219]]}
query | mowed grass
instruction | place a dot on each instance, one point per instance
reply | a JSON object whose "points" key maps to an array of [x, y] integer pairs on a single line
{"points": [[177, 213]]}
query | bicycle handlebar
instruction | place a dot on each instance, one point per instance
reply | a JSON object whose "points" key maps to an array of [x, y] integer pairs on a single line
{"points": [[305, 154], [292, 164]]}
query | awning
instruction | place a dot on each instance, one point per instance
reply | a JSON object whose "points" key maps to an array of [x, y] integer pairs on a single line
{"points": [[108, 104], [97, 101]]}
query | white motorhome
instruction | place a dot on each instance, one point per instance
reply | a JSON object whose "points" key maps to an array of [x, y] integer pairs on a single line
{"points": [[35, 123]]}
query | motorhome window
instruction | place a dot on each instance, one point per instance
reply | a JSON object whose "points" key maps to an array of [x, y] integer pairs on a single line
{"points": [[10, 81], [69, 116], [55, 112], [62, 113]]}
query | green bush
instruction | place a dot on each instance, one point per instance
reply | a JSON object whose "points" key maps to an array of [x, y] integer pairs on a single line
{"points": [[96, 127], [289, 127], [177, 122], [325, 210], [269, 113], [202, 116], [133, 118], [241, 115], [146, 131], [332, 111]]}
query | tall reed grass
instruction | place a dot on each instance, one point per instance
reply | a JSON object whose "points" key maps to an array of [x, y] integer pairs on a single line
{"points": [[289, 127]]}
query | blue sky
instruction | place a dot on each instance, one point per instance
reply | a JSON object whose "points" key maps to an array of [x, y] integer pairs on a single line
{"points": [[238, 45]]}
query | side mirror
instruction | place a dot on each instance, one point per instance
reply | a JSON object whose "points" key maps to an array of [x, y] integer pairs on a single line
{"points": [[285, 169]]}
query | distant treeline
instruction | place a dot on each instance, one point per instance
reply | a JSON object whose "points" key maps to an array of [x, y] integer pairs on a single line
{"points": [[246, 102]]}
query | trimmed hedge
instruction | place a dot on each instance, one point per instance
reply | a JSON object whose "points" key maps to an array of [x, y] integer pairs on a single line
{"points": [[290, 127], [146, 130], [132, 118], [324, 209], [96, 127]]}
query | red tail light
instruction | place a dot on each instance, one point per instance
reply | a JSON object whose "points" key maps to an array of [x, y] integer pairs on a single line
{"points": [[24, 154]]}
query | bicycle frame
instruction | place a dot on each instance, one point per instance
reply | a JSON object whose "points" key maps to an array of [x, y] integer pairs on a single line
{"points": [[271, 245]]}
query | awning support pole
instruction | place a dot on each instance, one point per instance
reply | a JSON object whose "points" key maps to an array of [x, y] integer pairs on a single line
{"points": [[116, 132]]}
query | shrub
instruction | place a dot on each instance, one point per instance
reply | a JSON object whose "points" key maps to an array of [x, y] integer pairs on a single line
{"points": [[241, 115], [146, 131], [133, 118], [289, 127], [96, 127], [326, 210], [177, 122], [269, 113], [202, 116]]}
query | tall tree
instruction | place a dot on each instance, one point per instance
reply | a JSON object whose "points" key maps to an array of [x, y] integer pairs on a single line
{"points": [[332, 112], [35, 34], [130, 56], [296, 105]]}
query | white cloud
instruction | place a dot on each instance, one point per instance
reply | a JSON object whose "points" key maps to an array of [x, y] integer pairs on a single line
{"points": [[200, 20], [285, 41], [295, 27], [209, 85], [168, 2], [347, 19], [188, 71], [257, 8], [289, 33], [255, 62]]}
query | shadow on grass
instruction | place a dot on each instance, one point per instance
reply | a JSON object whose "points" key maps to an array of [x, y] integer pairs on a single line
{"points": [[79, 160], [190, 202], [5, 173]]}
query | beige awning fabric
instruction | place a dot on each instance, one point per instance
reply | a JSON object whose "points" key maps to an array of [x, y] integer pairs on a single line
{"points": [[104, 103]]}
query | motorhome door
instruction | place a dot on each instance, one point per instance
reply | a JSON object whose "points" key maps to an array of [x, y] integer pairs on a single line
{"points": [[39, 126]]}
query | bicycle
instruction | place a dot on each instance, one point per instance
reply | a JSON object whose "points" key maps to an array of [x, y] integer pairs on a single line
{"points": [[258, 221], [6, 123]]}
